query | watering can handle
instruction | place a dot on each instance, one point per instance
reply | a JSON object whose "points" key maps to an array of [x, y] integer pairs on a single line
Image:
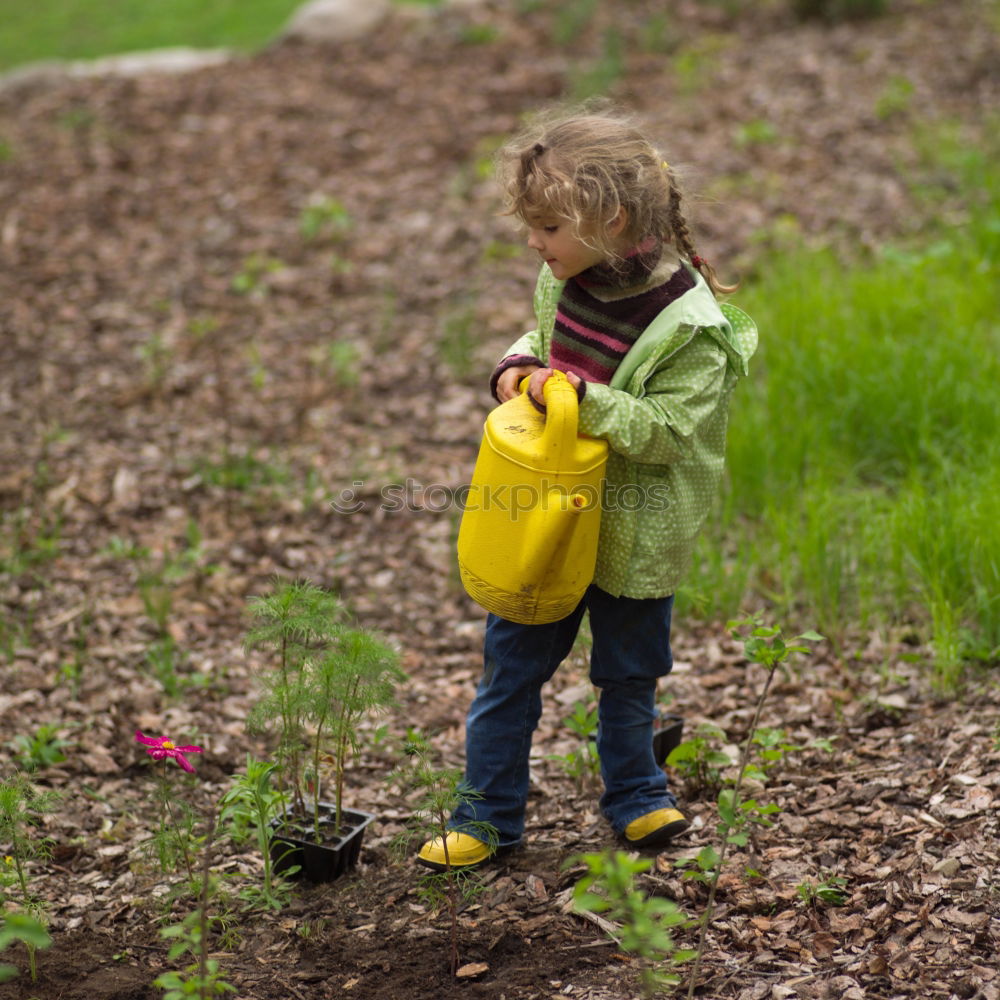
{"points": [[561, 407]]}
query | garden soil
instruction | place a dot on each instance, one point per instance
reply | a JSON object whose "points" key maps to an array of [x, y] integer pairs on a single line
{"points": [[237, 303]]}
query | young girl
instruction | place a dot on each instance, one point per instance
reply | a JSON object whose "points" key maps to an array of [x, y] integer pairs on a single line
{"points": [[628, 310]]}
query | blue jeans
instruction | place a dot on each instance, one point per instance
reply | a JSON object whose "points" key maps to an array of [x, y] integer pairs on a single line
{"points": [[631, 649]]}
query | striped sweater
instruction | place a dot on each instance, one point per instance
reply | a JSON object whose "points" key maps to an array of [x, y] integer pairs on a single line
{"points": [[597, 324]]}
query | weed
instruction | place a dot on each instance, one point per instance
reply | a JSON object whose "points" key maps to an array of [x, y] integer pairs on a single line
{"points": [[342, 359], [695, 64], [22, 807], [758, 132], [479, 34], [584, 762], [439, 792], [27, 542], [251, 278], [896, 97], [699, 761], [601, 75], [831, 891], [157, 355], [29, 931], [646, 921], [572, 19], [657, 34], [838, 10], [41, 749], [763, 645], [325, 218], [248, 810], [459, 339]]}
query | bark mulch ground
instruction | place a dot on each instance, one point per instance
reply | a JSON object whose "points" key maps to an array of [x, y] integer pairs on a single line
{"points": [[230, 298]]}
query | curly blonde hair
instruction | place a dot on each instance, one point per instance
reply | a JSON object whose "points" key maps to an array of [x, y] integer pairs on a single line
{"points": [[587, 166]]}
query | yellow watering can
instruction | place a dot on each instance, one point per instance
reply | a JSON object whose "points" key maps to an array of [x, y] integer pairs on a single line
{"points": [[527, 544]]}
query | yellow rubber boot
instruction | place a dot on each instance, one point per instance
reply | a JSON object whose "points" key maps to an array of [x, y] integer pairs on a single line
{"points": [[463, 851], [656, 828]]}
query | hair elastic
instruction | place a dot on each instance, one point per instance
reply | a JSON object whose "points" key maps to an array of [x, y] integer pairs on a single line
{"points": [[697, 261]]}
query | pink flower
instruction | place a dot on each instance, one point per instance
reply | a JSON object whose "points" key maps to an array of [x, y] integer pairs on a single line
{"points": [[162, 748]]}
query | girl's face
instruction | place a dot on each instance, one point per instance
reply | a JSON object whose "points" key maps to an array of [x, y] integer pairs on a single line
{"points": [[559, 245]]}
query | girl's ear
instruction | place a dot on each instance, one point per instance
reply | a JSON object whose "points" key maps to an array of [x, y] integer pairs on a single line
{"points": [[619, 223]]}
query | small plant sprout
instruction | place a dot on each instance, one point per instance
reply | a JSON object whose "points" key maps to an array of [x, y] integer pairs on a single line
{"points": [[324, 218], [29, 931], [22, 805], [174, 837], [202, 978], [248, 809], [699, 761], [41, 749], [829, 891], [645, 922], [764, 645], [584, 762], [439, 791], [329, 677]]}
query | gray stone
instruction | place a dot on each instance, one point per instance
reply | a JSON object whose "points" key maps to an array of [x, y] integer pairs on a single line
{"points": [[156, 61], [336, 20]]}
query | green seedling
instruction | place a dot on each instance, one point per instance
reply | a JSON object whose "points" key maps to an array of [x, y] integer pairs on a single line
{"points": [[896, 97], [242, 471], [26, 929], [439, 793], [646, 922], [22, 806], [156, 354], [202, 978], [599, 76], [41, 749], [251, 278], [762, 644], [701, 867], [328, 678], [459, 337], [699, 761], [583, 763], [342, 360], [27, 542], [830, 891], [248, 810], [325, 218]]}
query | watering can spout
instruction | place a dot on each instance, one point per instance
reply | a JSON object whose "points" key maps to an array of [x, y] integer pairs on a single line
{"points": [[530, 559]]}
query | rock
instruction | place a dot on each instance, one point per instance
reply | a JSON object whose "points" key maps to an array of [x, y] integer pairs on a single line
{"points": [[168, 61], [336, 20], [130, 64], [948, 867]]}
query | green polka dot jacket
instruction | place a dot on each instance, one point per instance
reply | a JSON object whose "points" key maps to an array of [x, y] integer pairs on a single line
{"points": [[664, 417]]}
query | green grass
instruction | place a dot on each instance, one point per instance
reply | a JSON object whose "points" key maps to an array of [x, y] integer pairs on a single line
{"points": [[84, 29], [864, 460]]}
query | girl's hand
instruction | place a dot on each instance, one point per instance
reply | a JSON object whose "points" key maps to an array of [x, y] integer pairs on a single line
{"points": [[538, 379], [509, 382]]}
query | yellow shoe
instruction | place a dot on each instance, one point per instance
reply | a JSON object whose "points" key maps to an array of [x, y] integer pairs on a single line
{"points": [[656, 828], [464, 851]]}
